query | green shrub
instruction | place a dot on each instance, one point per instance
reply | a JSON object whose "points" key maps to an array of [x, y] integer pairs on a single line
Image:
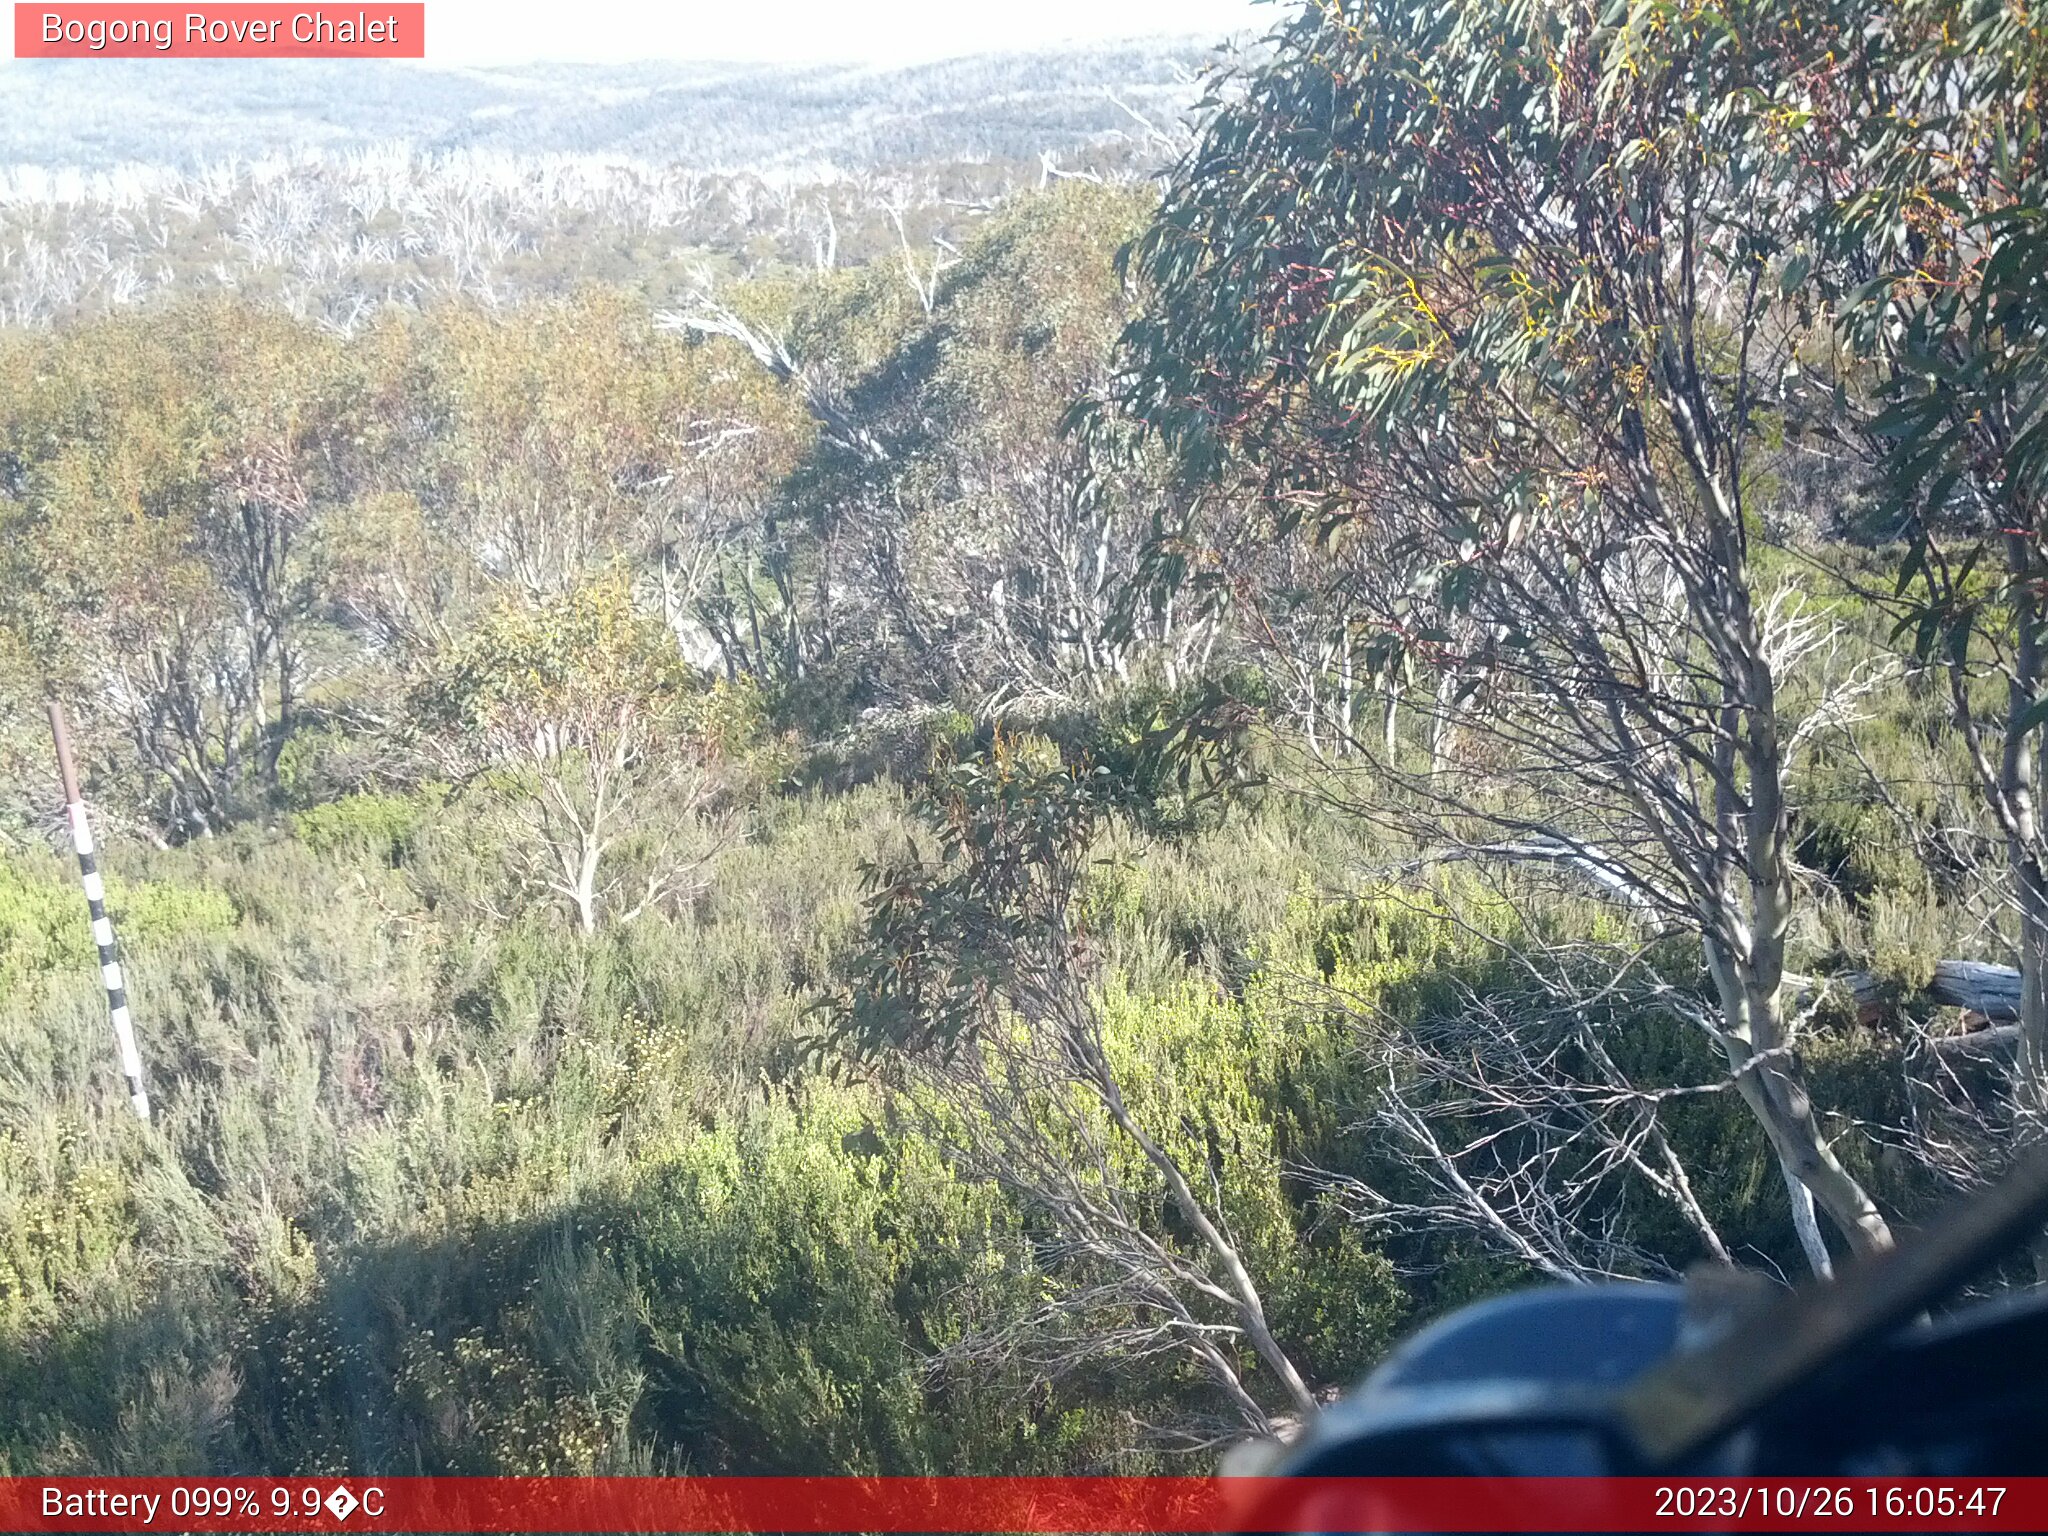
{"points": [[152, 912], [44, 926], [363, 825]]}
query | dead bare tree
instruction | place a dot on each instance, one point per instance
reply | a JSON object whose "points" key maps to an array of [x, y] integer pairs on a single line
{"points": [[922, 275], [708, 316], [1008, 1111]]}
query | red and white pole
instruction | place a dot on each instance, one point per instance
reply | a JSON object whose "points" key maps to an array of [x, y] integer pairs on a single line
{"points": [[102, 927]]}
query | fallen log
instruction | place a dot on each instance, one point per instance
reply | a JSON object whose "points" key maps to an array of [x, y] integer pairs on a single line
{"points": [[1992, 992], [1989, 994]]}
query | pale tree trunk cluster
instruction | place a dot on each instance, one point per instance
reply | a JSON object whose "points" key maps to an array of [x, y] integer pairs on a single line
{"points": [[204, 664], [587, 793]]}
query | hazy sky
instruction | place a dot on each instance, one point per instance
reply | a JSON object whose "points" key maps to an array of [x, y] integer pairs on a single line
{"points": [[804, 31]]}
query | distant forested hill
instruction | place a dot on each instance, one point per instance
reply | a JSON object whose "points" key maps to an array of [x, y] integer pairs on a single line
{"points": [[711, 116]]}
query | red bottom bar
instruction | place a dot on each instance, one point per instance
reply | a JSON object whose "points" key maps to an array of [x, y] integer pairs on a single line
{"points": [[1024, 1504]]}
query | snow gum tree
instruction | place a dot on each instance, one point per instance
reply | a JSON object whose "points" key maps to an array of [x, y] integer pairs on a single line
{"points": [[576, 715], [1506, 294]]}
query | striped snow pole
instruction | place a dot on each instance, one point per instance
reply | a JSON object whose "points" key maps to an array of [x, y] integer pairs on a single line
{"points": [[102, 929]]}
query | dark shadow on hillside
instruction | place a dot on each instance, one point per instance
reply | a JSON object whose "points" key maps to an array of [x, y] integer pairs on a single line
{"points": [[626, 1335]]}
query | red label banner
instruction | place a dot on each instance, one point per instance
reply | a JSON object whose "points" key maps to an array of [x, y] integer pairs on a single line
{"points": [[377, 31], [1045, 1504]]}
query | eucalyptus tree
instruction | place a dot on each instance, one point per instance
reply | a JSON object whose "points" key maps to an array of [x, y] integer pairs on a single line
{"points": [[576, 716], [1941, 235], [166, 480], [978, 993], [945, 527], [1503, 295], [529, 451]]}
